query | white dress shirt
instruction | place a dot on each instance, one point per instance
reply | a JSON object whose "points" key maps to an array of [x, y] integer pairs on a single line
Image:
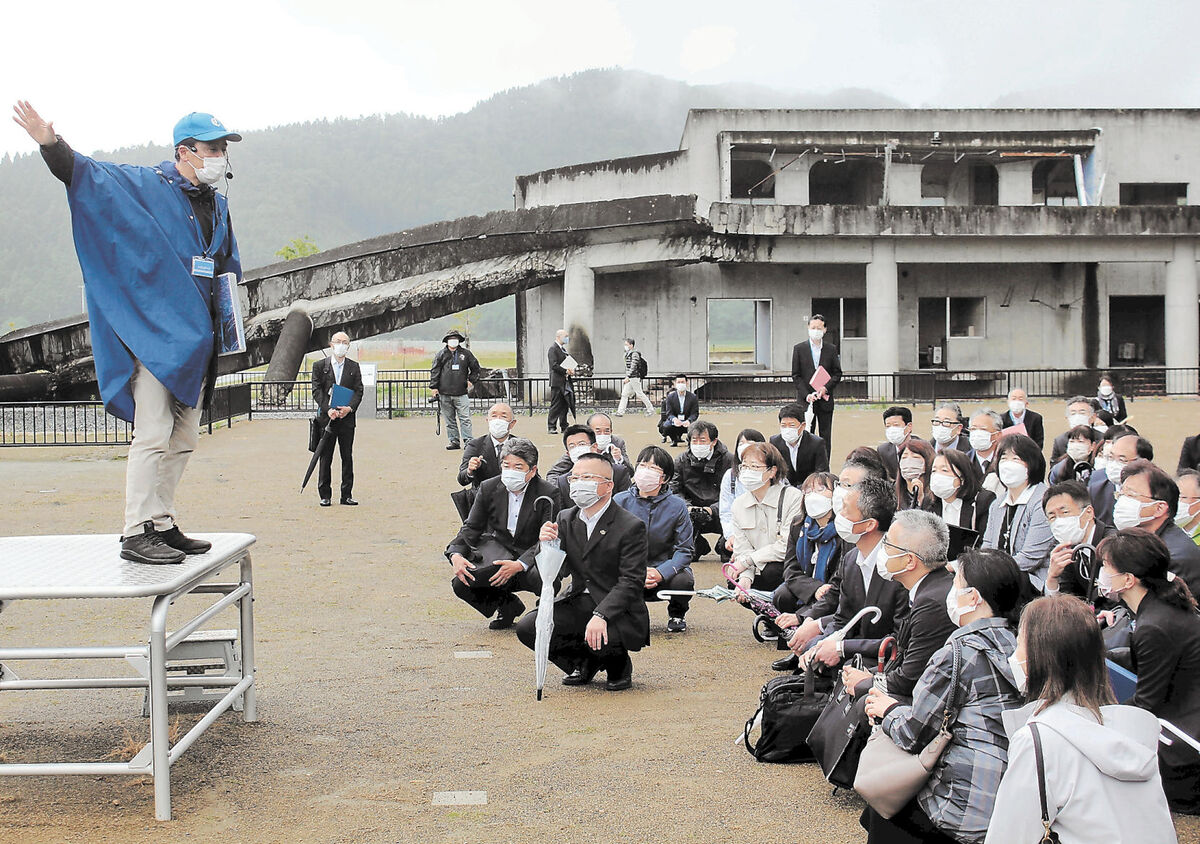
{"points": [[590, 523], [337, 370], [952, 511], [514, 510], [866, 565]]}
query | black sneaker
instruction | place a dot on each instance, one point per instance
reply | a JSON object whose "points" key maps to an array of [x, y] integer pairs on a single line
{"points": [[676, 625], [175, 538], [148, 547], [453, 447], [511, 609]]}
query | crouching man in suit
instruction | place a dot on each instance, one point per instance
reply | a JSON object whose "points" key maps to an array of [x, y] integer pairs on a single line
{"points": [[603, 615], [503, 524]]}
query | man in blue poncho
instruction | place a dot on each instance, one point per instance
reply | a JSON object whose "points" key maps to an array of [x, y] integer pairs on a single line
{"points": [[151, 241]]}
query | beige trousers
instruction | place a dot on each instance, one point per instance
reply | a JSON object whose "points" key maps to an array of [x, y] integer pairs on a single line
{"points": [[165, 433], [633, 387]]}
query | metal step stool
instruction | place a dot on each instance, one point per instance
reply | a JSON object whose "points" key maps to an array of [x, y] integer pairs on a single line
{"points": [[198, 654]]}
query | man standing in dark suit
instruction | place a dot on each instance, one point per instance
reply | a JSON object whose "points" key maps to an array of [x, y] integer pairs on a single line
{"points": [[337, 369], [898, 428], [1018, 413], [603, 615], [481, 457], [803, 452], [915, 549], [559, 385], [503, 524], [806, 359], [680, 409], [1189, 455]]}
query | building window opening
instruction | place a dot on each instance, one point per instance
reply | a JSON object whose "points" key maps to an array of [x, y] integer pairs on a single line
{"points": [[751, 179], [739, 334], [1054, 182], [854, 181], [1154, 193], [935, 182], [967, 316], [1136, 330], [844, 318], [985, 185]]}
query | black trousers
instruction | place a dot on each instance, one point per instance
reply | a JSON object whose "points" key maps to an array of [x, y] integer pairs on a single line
{"points": [[558, 409], [568, 650], [785, 600], [487, 599], [822, 420], [769, 579], [703, 521], [677, 605], [674, 432], [908, 826], [344, 436]]}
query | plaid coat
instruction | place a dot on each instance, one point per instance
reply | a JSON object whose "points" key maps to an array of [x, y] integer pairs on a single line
{"points": [[962, 790]]}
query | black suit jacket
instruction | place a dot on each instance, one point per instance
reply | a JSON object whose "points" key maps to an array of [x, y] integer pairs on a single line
{"points": [[671, 407], [611, 566], [810, 457], [558, 376], [1189, 455], [489, 468], [963, 444], [1103, 497], [921, 633], [488, 519], [1033, 425], [974, 514], [322, 387], [1185, 554], [888, 595], [803, 370], [1166, 659]]}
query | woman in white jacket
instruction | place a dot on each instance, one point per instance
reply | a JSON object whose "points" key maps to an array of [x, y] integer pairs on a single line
{"points": [[762, 517], [1100, 759]]}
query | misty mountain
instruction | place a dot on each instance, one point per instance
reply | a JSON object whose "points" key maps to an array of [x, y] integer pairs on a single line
{"points": [[343, 180]]}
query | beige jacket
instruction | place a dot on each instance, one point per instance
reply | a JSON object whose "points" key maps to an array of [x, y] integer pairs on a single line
{"points": [[758, 528]]}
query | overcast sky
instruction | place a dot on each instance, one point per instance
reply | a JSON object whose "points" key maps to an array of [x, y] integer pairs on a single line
{"points": [[121, 73]]}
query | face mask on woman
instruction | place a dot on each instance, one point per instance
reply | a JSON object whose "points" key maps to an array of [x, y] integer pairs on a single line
{"points": [[943, 486], [646, 478], [751, 479], [1105, 585], [1078, 451], [817, 505], [1106, 390], [954, 610], [1012, 473], [910, 469]]}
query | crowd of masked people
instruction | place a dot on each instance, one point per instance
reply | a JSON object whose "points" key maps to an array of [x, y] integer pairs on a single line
{"points": [[1007, 581]]}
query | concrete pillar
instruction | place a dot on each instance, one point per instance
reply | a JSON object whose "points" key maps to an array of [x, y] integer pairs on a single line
{"points": [[579, 306], [288, 353], [883, 317], [1015, 182], [904, 184], [791, 183], [1182, 326]]}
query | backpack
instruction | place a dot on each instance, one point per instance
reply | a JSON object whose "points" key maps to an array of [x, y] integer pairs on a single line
{"points": [[641, 369], [789, 707]]}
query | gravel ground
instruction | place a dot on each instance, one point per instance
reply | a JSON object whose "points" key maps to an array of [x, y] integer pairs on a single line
{"points": [[364, 710]]}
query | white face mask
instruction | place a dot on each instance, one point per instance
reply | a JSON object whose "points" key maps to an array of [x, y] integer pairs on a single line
{"points": [[741, 449], [452, 342], [790, 435], [213, 171], [1067, 530], [647, 479], [1013, 473], [1016, 406], [1100, 464], [954, 610], [498, 428], [1018, 672], [910, 469], [943, 486], [681, 388], [1077, 419], [943, 434], [980, 440], [1106, 390], [751, 479], [513, 480], [1113, 469], [1105, 585], [845, 529], [603, 441], [701, 451], [584, 493], [817, 505], [1127, 513], [1184, 515], [340, 349], [839, 498], [578, 451], [1078, 451], [895, 434], [1100, 427], [881, 565], [816, 334]]}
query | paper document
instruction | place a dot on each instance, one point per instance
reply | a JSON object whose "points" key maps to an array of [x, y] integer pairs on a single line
{"points": [[570, 363], [1015, 429], [341, 397], [820, 379], [231, 332]]}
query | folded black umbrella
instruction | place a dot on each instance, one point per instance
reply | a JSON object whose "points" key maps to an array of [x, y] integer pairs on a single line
{"points": [[312, 464]]}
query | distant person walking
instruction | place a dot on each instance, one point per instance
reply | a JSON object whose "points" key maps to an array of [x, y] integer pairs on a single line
{"points": [[337, 369], [808, 358], [454, 371], [635, 370], [560, 387], [151, 242]]}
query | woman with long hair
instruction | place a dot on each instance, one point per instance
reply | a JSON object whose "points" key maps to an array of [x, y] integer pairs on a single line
{"points": [[912, 481]]}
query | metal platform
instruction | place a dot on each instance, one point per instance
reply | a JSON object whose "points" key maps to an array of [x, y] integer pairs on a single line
{"points": [[64, 567]]}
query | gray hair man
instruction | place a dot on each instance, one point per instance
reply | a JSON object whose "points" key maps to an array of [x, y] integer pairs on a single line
{"points": [[560, 387]]}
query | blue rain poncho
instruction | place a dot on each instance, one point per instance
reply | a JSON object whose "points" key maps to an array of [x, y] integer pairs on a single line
{"points": [[135, 237]]}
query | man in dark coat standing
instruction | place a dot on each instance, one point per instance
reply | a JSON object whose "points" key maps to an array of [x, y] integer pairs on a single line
{"points": [[559, 385], [453, 373], [337, 369], [603, 615], [807, 357]]}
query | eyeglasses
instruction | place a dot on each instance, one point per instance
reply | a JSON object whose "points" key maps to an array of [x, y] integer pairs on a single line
{"points": [[600, 479], [1137, 496], [940, 423], [903, 549], [755, 467]]}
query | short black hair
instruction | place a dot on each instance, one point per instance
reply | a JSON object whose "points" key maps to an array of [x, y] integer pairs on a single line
{"points": [[1029, 453], [903, 412], [593, 455], [629, 340], [876, 500], [820, 317], [703, 426], [1115, 432], [660, 458], [1162, 486], [1074, 489], [1086, 432], [791, 411], [572, 430], [997, 578], [961, 465]]}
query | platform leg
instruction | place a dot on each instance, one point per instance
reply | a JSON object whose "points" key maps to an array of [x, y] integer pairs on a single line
{"points": [[246, 605], [159, 729]]}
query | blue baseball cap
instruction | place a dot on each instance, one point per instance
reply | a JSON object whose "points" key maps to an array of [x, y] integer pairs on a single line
{"points": [[202, 127]]}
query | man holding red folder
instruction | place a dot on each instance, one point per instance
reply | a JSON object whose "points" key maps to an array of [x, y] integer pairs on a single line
{"points": [[816, 371]]}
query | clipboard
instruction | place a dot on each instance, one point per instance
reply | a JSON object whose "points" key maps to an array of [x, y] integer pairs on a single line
{"points": [[341, 396], [227, 309], [820, 378]]}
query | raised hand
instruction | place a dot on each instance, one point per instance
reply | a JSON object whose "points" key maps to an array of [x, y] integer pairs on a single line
{"points": [[26, 116]]}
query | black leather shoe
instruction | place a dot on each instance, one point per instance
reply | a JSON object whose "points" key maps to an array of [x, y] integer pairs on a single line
{"points": [[453, 447], [623, 678], [581, 676], [148, 548], [787, 663], [508, 612], [175, 538], [325, 502], [349, 502]]}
